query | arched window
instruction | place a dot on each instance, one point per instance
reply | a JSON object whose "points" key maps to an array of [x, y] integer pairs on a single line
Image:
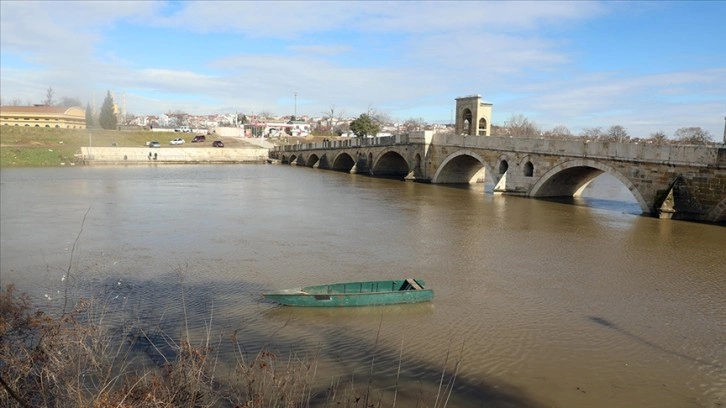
{"points": [[503, 166], [482, 127], [466, 117], [528, 169]]}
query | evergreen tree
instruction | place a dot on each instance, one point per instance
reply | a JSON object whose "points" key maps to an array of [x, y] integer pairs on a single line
{"points": [[364, 126], [107, 119]]}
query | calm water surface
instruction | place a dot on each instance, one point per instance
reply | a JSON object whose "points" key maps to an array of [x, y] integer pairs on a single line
{"points": [[543, 304]]}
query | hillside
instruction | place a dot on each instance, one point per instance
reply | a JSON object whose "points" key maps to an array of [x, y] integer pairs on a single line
{"points": [[43, 147]]}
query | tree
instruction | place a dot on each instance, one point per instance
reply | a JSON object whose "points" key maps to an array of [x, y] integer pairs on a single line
{"points": [[520, 126], [618, 133], [364, 126], [49, 97], [693, 135], [414, 124], [330, 124], [107, 119], [329, 116], [130, 117], [558, 132], [658, 138], [498, 131], [265, 115], [67, 102], [381, 118], [592, 133], [242, 119]]}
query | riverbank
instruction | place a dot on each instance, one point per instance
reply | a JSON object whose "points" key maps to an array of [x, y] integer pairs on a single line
{"points": [[96, 364], [48, 147], [146, 155]]}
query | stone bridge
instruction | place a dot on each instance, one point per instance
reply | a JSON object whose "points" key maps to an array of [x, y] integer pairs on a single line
{"points": [[668, 181]]}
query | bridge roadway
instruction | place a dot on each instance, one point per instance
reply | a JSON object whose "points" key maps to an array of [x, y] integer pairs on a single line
{"points": [[680, 182]]}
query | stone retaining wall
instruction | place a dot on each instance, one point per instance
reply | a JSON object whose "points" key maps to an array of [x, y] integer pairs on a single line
{"points": [[119, 155]]}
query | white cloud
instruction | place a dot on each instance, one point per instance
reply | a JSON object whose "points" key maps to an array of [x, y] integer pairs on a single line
{"points": [[320, 49], [399, 56]]}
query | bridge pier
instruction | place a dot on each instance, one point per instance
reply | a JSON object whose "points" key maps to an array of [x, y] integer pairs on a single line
{"points": [[415, 176]]}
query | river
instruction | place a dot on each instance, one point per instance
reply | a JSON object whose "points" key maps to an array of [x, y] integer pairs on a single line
{"points": [[537, 303]]}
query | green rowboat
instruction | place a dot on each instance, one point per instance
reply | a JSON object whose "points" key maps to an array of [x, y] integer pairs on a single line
{"points": [[355, 294]]}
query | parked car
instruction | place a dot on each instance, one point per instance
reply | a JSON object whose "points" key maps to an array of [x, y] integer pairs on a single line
{"points": [[177, 141], [154, 143], [217, 143], [199, 138], [183, 129]]}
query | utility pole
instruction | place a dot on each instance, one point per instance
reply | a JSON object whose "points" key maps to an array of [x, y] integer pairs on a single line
{"points": [[724, 130]]}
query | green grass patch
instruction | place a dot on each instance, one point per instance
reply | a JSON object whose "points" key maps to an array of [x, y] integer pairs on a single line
{"points": [[42, 147]]}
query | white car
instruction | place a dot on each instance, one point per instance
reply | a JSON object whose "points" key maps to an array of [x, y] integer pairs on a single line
{"points": [[177, 141]]}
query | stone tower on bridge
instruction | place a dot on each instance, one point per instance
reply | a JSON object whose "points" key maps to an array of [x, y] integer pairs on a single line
{"points": [[473, 117]]}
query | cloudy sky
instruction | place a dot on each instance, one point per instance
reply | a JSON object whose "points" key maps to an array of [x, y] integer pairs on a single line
{"points": [[648, 66]]}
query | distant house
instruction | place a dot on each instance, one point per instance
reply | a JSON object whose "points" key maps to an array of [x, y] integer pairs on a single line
{"points": [[43, 116]]}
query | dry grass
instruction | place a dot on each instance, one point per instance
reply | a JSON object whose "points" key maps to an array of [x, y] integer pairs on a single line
{"points": [[76, 360], [79, 359]]}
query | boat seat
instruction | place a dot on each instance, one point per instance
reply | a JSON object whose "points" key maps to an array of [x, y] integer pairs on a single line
{"points": [[414, 284]]}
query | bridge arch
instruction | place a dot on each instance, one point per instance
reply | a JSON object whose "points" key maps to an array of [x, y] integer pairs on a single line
{"points": [[568, 179], [462, 167], [503, 166], [467, 118], [390, 163], [527, 166], [312, 160], [343, 162], [528, 169], [483, 126], [293, 159]]}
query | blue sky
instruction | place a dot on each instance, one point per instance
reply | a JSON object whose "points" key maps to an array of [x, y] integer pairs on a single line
{"points": [[647, 66]]}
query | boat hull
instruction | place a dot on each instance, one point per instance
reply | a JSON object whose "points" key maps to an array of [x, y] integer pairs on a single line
{"points": [[354, 294]]}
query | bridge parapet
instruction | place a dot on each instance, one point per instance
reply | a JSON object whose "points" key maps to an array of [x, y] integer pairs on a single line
{"points": [[673, 154], [347, 143]]}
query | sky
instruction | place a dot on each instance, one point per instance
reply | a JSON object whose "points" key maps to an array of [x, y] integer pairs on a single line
{"points": [[647, 66]]}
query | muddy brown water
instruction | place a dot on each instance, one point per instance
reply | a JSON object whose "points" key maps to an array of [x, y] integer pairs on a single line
{"points": [[541, 304]]}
